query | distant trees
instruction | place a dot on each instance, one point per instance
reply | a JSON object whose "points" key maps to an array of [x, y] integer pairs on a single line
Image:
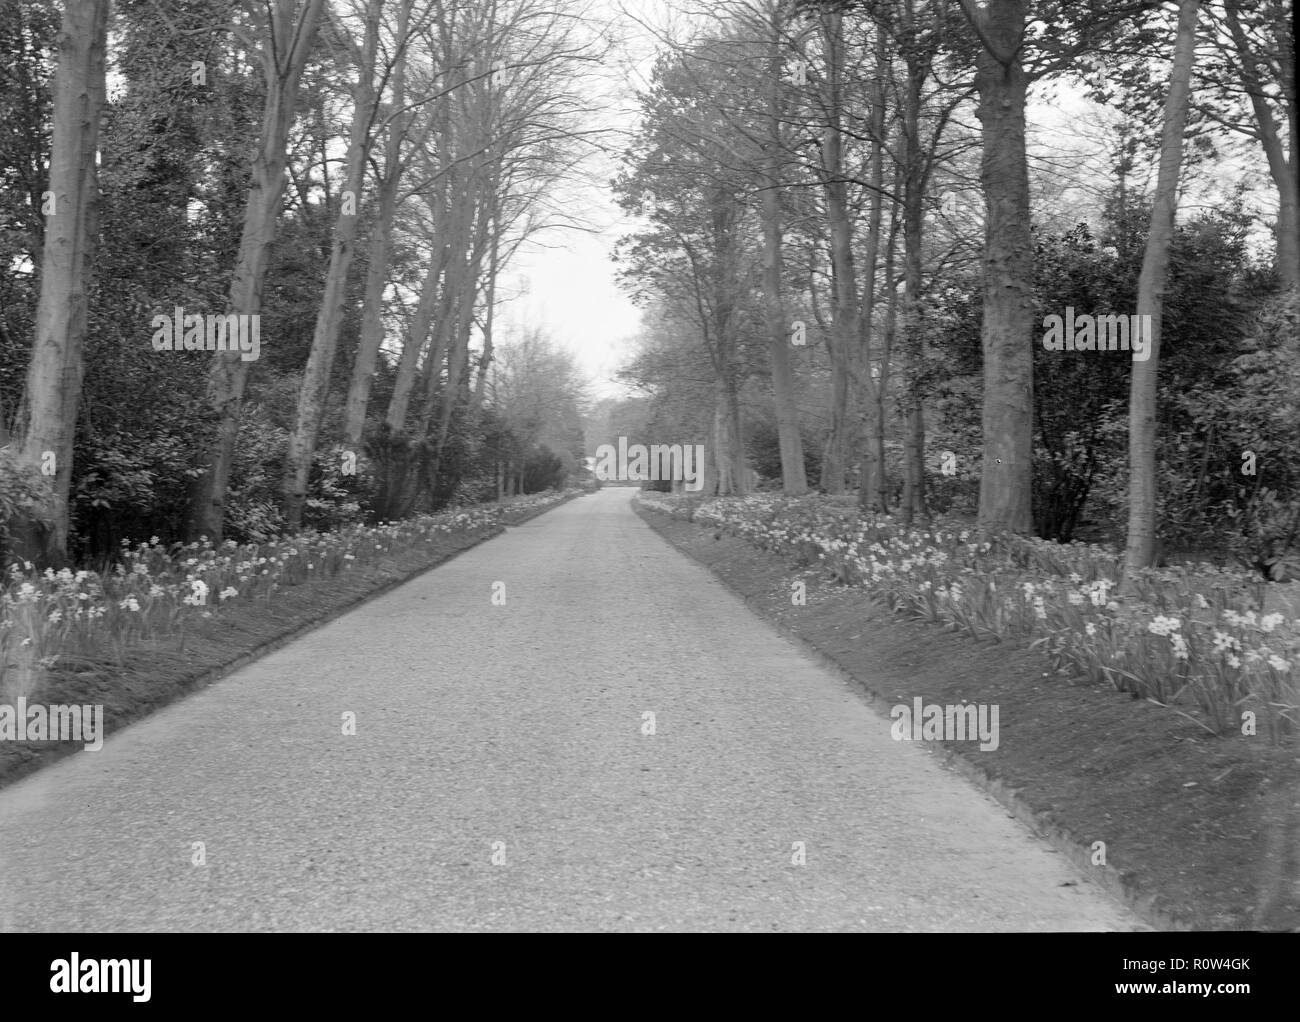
{"points": [[537, 393], [686, 181]]}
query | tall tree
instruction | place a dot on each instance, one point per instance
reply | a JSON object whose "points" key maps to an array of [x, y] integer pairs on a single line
{"points": [[873, 493], [398, 123], [1007, 475], [1267, 71], [56, 369], [1068, 30], [846, 329], [1140, 550], [329, 318], [287, 35], [793, 479]]}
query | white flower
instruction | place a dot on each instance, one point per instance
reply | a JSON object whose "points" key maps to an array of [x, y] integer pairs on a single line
{"points": [[1075, 597], [1164, 625], [1180, 646], [1202, 602], [130, 603], [1091, 629], [1222, 641], [1278, 664], [1270, 621]]}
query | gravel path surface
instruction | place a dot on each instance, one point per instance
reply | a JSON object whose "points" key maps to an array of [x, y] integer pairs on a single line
{"points": [[499, 777]]}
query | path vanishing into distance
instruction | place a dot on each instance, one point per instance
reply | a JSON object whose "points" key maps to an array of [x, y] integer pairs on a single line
{"points": [[499, 777]]}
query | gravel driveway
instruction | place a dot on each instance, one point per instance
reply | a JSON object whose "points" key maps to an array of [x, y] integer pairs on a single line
{"points": [[501, 776]]}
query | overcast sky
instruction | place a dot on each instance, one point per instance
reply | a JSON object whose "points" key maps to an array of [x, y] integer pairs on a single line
{"points": [[568, 286]]}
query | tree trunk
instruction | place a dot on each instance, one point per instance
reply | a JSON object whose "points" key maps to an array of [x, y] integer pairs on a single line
{"points": [[913, 329], [372, 316], [733, 476], [1285, 173], [54, 375], [460, 217], [793, 478], [740, 471], [490, 299], [329, 318], [458, 358], [284, 54], [845, 326], [450, 336], [873, 484], [891, 331], [725, 481], [1007, 478], [416, 339], [1140, 551]]}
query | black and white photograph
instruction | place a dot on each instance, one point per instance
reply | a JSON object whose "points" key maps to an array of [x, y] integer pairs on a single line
{"points": [[650, 466]]}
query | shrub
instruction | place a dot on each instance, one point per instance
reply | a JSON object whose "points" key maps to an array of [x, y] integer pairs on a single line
{"points": [[21, 490]]}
